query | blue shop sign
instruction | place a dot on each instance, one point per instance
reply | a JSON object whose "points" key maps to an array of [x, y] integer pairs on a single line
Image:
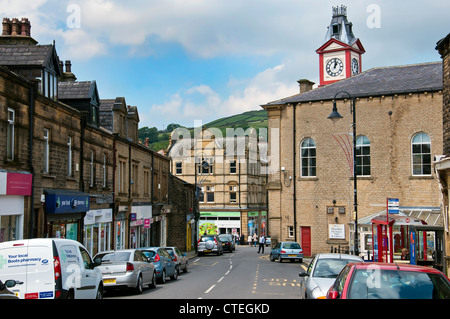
{"points": [[66, 202]]}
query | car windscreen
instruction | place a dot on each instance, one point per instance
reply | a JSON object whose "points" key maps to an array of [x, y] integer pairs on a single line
{"points": [[225, 238], [115, 256], [330, 268], [398, 284]]}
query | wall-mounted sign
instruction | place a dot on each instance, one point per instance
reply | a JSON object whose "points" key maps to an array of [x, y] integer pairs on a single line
{"points": [[66, 202]]}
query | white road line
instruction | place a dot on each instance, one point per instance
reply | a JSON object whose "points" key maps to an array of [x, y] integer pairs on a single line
{"points": [[221, 278], [210, 288]]}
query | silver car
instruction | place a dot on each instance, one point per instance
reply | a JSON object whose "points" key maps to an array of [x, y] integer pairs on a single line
{"points": [[322, 272], [209, 244], [179, 257], [127, 268]]}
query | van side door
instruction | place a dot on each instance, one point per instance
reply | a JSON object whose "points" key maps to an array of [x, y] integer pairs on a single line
{"points": [[89, 276]]}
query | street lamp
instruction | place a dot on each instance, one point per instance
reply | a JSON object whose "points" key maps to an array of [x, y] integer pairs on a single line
{"points": [[335, 116]]}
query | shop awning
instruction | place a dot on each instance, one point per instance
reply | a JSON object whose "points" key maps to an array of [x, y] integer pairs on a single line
{"points": [[429, 215]]}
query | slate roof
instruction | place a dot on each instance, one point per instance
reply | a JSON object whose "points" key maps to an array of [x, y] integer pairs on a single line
{"points": [[426, 77], [75, 90], [25, 55]]}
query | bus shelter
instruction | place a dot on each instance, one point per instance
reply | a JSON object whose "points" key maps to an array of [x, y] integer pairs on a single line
{"points": [[391, 237]]}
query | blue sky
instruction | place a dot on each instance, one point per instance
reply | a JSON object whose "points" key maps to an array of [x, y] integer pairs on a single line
{"points": [[180, 61]]}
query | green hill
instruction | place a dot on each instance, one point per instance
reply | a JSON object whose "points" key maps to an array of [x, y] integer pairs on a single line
{"points": [[160, 139]]}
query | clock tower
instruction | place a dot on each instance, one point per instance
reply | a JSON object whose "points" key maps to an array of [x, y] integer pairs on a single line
{"points": [[340, 55]]}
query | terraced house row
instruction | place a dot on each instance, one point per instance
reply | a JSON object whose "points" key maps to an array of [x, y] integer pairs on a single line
{"points": [[71, 164]]}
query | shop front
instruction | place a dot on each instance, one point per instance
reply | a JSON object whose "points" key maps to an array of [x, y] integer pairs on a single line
{"points": [[65, 211], [98, 230], [219, 223], [14, 189], [140, 223]]}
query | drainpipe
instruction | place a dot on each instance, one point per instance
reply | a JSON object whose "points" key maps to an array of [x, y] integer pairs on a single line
{"points": [[294, 148], [30, 155]]}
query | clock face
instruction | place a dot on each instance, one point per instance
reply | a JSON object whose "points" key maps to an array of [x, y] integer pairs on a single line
{"points": [[334, 67], [355, 66]]}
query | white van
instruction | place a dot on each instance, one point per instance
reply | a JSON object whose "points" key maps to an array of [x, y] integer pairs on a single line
{"points": [[50, 268]]}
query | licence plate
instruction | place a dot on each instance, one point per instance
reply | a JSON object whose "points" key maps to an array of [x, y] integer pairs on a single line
{"points": [[109, 281], [207, 251], [292, 255]]}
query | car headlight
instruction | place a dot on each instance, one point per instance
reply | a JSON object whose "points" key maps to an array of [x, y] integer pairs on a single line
{"points": [[317, 293]]}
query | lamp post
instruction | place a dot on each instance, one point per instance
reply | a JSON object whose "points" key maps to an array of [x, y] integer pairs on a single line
{"points": [[335, 116]]}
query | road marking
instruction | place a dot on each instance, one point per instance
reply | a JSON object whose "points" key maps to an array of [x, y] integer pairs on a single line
{"points": [[221, 278], [210, 288], [214, 264]]}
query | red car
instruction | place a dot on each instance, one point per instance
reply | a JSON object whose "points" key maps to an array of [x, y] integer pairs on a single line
{"points": [[389, 281]]}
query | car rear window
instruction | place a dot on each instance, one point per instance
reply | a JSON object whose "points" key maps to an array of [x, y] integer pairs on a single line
{"points": [[398, 284], [116, 256], [291, 246], [207, 238]]}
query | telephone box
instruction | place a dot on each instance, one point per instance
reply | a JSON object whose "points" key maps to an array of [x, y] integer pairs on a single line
{"points": [[391, 236]]}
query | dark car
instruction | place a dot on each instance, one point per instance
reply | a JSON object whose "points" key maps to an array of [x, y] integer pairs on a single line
{"points": [[389, 281], [228, 243], [5, 293]]}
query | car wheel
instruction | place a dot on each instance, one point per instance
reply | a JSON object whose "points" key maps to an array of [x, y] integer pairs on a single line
{"points": [[280, 260], [162, 280], [140, 285], [153, 282], [185, 268], [175, 274], [99, 294], [272, 258]]}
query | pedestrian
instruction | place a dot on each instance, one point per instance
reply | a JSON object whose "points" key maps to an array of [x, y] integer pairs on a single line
{"points": [[249, 240], [255, 239], [262, 242]]}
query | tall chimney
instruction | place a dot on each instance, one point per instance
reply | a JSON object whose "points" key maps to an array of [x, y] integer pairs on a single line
{"points": [[305, 85], [68, 66]]}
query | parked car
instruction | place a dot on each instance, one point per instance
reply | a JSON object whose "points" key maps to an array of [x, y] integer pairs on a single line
{"points": [[228, 242], [268, 241], [287, 250], [126, 268], [50, 268], [321, 273], [164, 263], [209, 244], [179, 258], [389, 281]]}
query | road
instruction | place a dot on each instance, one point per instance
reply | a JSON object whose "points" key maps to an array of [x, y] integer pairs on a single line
{"points": [[243, 274]]}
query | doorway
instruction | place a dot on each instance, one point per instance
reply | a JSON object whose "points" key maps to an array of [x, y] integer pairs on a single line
{"points": [[305, 232]]}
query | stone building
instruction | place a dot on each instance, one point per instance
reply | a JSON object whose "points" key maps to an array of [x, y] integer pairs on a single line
{"points": [[230, 173], [442, 166], [66, 171], [398, 114]]}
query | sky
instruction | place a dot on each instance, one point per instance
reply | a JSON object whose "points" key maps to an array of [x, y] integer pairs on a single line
{"points": [[181, 61]]}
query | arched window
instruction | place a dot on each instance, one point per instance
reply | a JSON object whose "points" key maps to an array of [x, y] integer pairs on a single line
{"points": [[421, 154], [362, 156], [308, 158]]}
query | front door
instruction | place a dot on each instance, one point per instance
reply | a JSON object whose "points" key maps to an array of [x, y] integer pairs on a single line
{"points": [[306, 240]]}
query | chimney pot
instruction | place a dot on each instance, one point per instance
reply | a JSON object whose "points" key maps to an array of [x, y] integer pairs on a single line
{"points": [[68, 66], [15, 26], [6, 26]]}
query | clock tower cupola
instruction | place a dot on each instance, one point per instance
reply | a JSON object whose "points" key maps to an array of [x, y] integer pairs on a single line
{"points": [[340, 55]]}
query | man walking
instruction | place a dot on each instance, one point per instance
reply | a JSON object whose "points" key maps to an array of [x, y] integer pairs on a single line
{"points": [[262, 242]]}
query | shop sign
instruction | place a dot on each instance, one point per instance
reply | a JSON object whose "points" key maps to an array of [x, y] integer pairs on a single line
{"points": [[15, 184], [57, 203]]}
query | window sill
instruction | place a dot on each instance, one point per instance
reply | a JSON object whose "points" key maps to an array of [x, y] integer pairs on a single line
{"points": [[312, 178], [421, 177]]}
